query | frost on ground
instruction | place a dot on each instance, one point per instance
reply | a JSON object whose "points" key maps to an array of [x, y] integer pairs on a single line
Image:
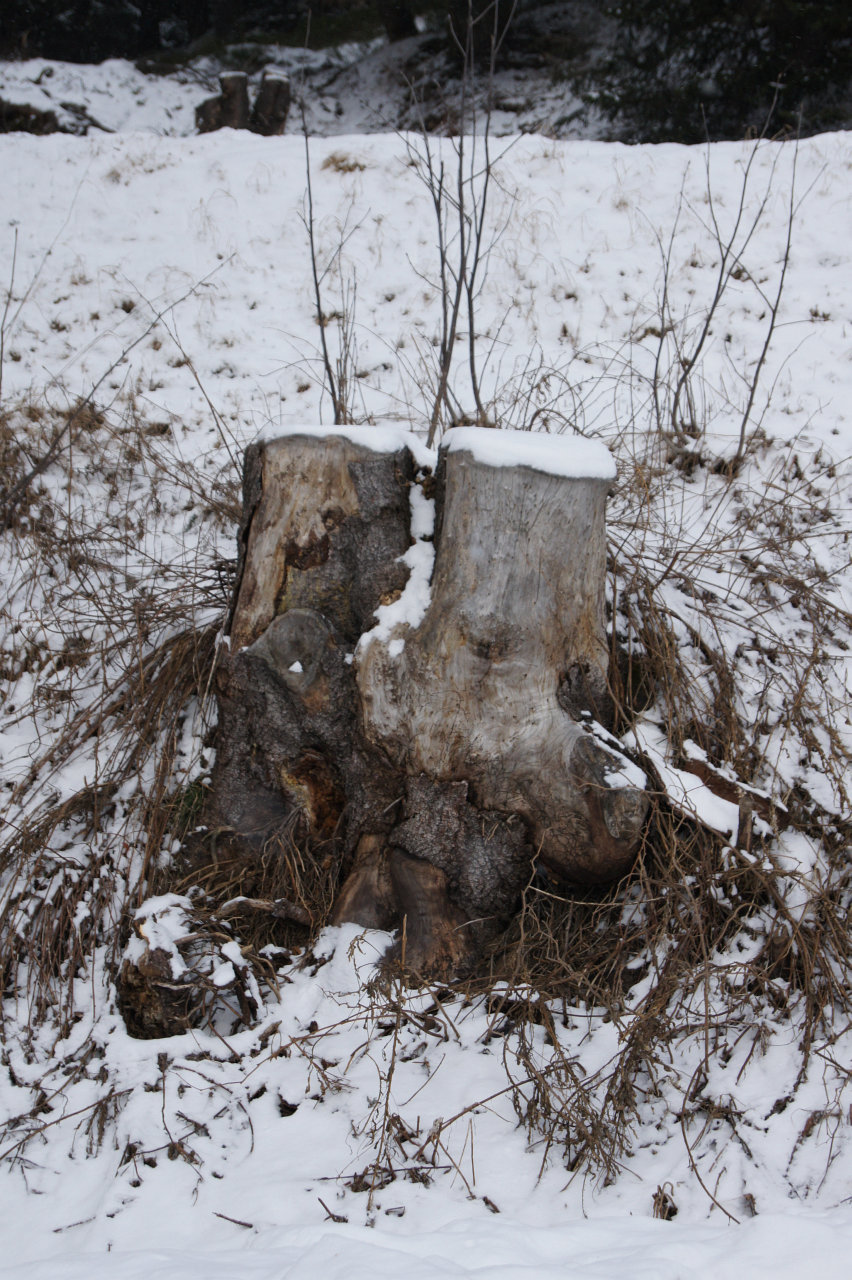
{"points": [[675, 1049]]}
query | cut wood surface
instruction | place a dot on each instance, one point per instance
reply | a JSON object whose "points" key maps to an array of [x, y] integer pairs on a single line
{"points": [[430, 726]]}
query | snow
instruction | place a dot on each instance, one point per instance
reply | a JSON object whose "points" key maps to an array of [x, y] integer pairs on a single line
{"points": [[162, 921], [353, 89], [409, 609], [692, 796], [114, 94], [172, 273], [569, 456], [626, 772], [216, 288], [783, 1246], [256, 1196], [378, 438]]}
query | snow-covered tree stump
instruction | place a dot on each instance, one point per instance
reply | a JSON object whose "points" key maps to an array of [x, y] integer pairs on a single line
{"points": [[272, 105], [416, 675], [230, 109]]}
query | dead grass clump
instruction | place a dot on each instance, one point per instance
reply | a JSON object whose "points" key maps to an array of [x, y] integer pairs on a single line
{"points": [[341, 162], [702, 943], [277, 893], [108, 644], [722, 633], [727, 631]]}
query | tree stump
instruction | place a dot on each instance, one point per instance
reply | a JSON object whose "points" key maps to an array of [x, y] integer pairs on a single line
{"points": [[272, 105], [416, 676], [230, 110]]}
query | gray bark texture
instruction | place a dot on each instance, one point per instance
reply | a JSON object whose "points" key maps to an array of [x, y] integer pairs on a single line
{"points": [[434, 761]]}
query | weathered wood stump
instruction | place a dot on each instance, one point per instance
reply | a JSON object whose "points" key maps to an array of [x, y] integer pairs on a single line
{"points": [[425, 701], [230, 109], [272, 105]]}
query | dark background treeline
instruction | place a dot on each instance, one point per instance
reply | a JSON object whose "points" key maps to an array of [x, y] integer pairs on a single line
{"points": [[681, 71]]}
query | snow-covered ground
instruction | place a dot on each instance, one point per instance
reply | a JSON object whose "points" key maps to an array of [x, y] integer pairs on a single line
{"points": [[178, 1191], [195, 250], [356, 88], [173, 274]]}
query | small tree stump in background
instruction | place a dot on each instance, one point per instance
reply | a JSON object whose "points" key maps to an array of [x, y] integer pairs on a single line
{"points": [[272, 105], [423, 706], [230, 110]]}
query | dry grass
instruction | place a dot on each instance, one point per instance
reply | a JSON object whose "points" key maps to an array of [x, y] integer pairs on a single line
{"points": [[279, 895], [725, 629], [108, 640]]}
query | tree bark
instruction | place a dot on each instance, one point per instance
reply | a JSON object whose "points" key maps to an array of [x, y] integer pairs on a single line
{"points": [[511, 650], [271, 106], [435, 747], [230, 110]]}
